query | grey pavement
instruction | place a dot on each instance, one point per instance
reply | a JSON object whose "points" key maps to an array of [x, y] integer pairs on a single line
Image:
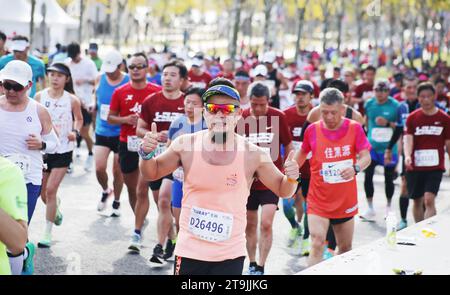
{"points": [[91, 243]]}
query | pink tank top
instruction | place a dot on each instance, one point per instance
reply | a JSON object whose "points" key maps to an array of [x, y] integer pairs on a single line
{"points": [[213, 211]]}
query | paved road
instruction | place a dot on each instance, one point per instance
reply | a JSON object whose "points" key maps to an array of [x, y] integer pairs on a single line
{"points": [[91, 243]]}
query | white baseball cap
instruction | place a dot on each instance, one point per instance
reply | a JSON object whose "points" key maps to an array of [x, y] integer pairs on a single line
{"points": [[111, 61], [197, 62], [260, 70], [17, 71], [19, 45], [269, 57]]}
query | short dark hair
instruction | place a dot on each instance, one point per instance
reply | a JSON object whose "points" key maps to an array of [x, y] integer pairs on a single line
{"points": [[221, 81], [141, 54], [2, 36], [20, 38], [425, 86], [181, 68], [370, 68], [242, 74], [260, 90], [195, 90], [73, 49], [338, 84]]}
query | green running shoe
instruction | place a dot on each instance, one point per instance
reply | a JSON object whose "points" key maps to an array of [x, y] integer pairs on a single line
{"points": [[28, 264]]}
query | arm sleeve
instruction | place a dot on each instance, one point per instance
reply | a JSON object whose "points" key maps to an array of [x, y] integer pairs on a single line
{"points": [[305, 125], [395, 136]]}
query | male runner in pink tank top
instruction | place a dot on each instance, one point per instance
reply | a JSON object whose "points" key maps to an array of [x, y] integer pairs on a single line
{"points": [[220, 167]]}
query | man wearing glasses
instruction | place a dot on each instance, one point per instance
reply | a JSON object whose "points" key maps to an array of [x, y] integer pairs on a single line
{"points": [[381, 119], [125, 108], [220, 167]]}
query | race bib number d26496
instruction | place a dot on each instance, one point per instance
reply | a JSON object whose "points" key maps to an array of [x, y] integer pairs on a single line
{"points": [[209, 225]]}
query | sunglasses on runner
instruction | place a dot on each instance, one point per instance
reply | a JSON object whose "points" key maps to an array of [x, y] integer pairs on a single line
{"points": [[226, 109], [139, 67], [381, 90], [12, 86]]}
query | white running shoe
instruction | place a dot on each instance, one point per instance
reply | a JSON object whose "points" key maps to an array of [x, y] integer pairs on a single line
{"points": [[135, 244], [368, 215], [89, 163]]}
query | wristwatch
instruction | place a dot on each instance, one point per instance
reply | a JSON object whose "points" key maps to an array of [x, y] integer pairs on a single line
{"points": [[357, 168], [77, 132], [44, 146]]}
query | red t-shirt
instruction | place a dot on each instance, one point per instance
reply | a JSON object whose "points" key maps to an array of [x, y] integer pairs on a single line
{"points": [[201, 81], [268, 132], [126, 100], [364, 91], [443, 100], [399, 97], [429, 136], [229, 76], [295, 122], [161, 110]]}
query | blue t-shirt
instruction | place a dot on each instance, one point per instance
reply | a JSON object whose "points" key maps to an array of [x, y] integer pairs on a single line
{"points": [[379, 136], [155, 79], [37, 66], [104, 93], [182, 126]]}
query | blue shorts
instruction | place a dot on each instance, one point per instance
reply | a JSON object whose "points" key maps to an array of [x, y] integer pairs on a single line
{"points": [[177, 193], [33, 191], [378, 158]]}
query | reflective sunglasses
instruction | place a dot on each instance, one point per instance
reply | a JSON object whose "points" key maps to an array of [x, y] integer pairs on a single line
{"points": [[139, 67], [12, 86], [226, 109], [381, 90]]}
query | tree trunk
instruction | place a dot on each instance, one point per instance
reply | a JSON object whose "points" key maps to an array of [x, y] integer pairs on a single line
{"points": [[413, 41], [237, 19], [120, 9], [267, 13], [33, 8], [300, 18], [404, 25], [340, 19], [424, 39], [80, 28], [441, 34], [326, 14], [392, 19]]}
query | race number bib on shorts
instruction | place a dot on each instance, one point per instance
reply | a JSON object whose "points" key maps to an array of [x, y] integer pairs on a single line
{"points": [[382, 134], [104, 112], [331, 171], [426, 158], [209, 225], [133, 143], [21, 161]]}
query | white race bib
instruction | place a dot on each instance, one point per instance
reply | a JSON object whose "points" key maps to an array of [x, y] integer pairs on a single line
{"points": [[426, 158], [331, 171], [22, 161], [104, 112], [266, 149], [382, 134], [209, 225], [133, 143], [198, 84]]}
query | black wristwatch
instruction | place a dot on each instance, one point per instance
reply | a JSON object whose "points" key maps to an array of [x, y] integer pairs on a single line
{"points": [[44, 146], [357, 168]]}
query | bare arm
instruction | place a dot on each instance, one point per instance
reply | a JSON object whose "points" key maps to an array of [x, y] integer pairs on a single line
{"points": [[115, 119], [280, 184], [13, 233], [142, 128], [78, 117], [45, 119], [408, 148], [358, 117]]}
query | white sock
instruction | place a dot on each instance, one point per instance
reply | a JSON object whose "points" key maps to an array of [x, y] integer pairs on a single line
{"points": [[371, 206], [48, 228], [16, 264]]}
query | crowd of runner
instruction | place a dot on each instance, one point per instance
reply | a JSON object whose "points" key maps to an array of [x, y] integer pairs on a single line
{"points": [[218, 142]]}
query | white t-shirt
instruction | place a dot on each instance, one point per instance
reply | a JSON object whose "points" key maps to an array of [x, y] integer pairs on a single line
{"points": [[86, 70]]}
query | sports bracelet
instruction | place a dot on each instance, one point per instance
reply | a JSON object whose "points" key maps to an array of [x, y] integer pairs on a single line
{"points": [[146, 156]]}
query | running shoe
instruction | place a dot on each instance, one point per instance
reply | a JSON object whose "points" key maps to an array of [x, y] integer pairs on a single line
{"points": [[89, 162], [251, 270], [70, 169], [46, 242], [59, 216], [306, 247], [135, 244], [157, 259], [368, 215], [116, 211], [170, 247], [102, 204], [327, 253], [402, 224], [28, 264], [294, 234]]}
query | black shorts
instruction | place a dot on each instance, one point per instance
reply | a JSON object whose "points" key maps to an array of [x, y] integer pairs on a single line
{"points": [[129, 161], [156, 185], [57, 161], [187, 266], [403, 173], [110, 142], [87, 117], [420, 182], [336, 221], [261, 197], [304, 185]]}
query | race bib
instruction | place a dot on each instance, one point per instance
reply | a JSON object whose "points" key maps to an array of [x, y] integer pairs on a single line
{"points": [[266, 149], [198, 84], [210, 225], [133, 143], [178, 174], [382, 134], [368, 95], [331, 171], [22, 161], [104, 112], [426, 158], [160, 149]]}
